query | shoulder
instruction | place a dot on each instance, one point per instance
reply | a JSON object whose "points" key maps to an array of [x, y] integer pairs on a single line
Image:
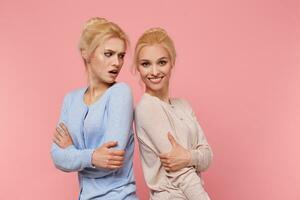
{"points": [[183, 103], [147, 106], [121, 89], [76, 92], [120, 93], [73, 94]]}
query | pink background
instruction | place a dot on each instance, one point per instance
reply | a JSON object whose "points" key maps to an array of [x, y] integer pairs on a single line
{"points": [[238, 65]]}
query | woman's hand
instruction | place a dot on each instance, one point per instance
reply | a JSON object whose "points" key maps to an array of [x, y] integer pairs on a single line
{"points": [[62, 136], [177, 158], [105, 157]]}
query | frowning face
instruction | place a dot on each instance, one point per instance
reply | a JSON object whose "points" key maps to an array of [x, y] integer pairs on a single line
{"points": [[107, 60]]}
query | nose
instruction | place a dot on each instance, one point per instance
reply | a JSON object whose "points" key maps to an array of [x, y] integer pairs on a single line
{"points": [[117, 61], [154, 70]]}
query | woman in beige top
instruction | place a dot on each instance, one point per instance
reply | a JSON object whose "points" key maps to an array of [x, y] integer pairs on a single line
{"points": [[173, 148]]}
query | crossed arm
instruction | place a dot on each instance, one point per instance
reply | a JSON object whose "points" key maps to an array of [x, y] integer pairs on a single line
{"points": [[110, 155], [155, 131]]}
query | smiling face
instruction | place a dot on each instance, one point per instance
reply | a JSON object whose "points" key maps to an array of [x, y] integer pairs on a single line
{"points": [[106, 61], [154, 66]]}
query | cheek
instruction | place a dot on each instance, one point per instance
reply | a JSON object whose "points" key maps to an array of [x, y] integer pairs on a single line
{"points": [[143, 75], [142, 71], [167, 70]]}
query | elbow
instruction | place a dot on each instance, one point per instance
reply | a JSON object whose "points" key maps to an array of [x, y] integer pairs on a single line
{"points": [[206, 161], [63, 163], [61, 168]]}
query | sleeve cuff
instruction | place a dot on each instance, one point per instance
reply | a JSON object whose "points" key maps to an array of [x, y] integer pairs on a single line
{"points": [[195, 157], [87, 157], [84, 155]]}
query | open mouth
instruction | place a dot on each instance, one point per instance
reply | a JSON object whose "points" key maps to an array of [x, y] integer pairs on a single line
{"points": [[113, 72]]}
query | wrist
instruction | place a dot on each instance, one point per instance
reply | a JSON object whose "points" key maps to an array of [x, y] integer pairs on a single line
{"points": [[189, 158], [92, 159]]}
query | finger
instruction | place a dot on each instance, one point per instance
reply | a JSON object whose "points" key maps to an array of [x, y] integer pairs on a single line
{"points": [[56, 141], [118, 158], [117, 152], [62, 125], [165, 164], [167, 169], [113, 162], [163, 156], [114, 167], [58, 136], [171, 139], [110, 144], [165, 161], [59, 131]]}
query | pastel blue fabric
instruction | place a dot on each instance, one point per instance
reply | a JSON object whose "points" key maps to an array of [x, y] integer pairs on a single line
{"points": [[107, 119]]}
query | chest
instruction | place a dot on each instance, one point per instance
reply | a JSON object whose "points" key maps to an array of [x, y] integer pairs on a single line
{"points": [[184, 126], [87, 125]]}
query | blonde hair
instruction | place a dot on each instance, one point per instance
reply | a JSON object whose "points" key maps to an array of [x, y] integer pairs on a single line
{"points": [[154, 36], [95, 31]]}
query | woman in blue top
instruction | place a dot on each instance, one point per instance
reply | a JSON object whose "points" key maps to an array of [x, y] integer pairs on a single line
{"points": [[94, 136]]}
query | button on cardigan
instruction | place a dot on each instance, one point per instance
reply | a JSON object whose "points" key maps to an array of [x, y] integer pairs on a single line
{"points": [[107, 119], [154, 119]]}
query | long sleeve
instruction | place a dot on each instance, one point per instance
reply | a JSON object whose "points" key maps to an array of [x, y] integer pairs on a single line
{"points": [[201, 153], [153, 124], [119, 116], [119, 111], [70, 159]]}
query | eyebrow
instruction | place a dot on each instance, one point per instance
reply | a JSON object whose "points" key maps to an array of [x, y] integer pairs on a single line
{"points": [[162, 58], [114, 51], [143, 60]]}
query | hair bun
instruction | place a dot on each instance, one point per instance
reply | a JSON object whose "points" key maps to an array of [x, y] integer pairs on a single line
{"points": [[95, 21], [156, 29]]}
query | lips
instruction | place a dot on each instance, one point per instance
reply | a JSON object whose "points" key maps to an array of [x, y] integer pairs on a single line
{"points": [[155, 80], [113, 72]]}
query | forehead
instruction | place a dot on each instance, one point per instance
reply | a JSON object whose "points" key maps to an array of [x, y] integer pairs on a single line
{"points": [[153, 52], [114, 44]]}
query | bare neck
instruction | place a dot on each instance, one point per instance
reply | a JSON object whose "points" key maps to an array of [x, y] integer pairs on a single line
{"points": [[162, 94]]}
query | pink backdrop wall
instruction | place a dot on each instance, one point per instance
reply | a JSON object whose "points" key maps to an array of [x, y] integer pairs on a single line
{"points": [[238, 65]]}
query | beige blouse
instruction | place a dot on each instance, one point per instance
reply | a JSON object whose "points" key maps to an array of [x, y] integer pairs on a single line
{"points": [[154, 119]]}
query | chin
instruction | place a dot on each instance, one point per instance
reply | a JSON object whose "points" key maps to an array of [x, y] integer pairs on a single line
{"points": [[155, 88], [111, 80]]}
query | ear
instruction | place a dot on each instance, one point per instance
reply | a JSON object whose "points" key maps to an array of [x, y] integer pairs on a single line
{"points": [[84, 54]]}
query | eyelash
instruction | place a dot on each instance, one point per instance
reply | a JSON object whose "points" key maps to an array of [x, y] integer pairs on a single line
{"points": [[145, 64], [162, 62], [108, 54]]}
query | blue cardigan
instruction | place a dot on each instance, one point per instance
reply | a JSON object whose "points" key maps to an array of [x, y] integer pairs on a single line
{"points": [[107, 119]]}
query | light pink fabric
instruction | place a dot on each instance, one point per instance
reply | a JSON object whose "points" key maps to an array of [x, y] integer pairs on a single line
{"points": [[154, 119]]}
